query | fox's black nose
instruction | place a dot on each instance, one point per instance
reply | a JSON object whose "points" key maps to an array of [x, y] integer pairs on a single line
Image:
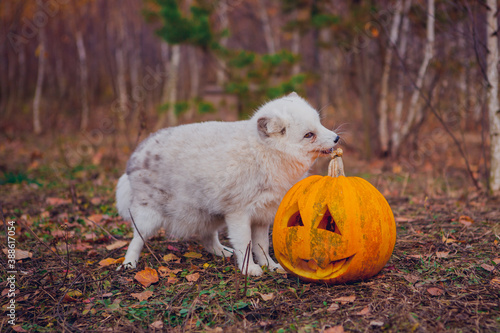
{"points": [[336, 139]]}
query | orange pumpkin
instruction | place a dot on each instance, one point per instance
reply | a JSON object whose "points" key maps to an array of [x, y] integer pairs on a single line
{"points": [[334, 229]]}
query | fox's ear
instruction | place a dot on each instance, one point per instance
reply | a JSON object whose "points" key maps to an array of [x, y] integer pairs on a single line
{"points": [[293, 94], [269, 126]]}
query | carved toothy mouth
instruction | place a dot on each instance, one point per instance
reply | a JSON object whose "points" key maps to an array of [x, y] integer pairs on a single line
{"points": [[332, 269]]}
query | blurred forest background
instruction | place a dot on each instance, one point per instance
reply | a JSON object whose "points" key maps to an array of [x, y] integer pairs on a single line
{"points": [[404, 79]]}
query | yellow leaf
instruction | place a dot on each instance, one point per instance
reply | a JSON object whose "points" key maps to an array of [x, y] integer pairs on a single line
{"points": [[192, 255], [110, 261], [495, 282], [74, 293], [170, 257], [147, 276]]}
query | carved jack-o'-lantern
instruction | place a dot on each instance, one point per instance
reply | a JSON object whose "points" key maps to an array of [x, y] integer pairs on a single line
{"points": [[334, 229]]}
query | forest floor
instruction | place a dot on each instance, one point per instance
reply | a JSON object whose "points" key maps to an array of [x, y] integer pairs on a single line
{"points": [[444, 274]]}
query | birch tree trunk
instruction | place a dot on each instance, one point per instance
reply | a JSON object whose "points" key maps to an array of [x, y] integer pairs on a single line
{"points": [[82, 57], [326, 68], [224, 21], [384, 89], [37, 126], [170, 93], [493, 103], [194, 83], [296, 46], [404, 127], [266, 25], [398, 108]]}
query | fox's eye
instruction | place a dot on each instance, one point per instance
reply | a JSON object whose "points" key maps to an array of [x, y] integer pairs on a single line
{"points": [[309, 135]]}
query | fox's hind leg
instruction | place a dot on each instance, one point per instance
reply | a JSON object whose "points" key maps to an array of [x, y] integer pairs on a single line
{"points": [[212, 244]]}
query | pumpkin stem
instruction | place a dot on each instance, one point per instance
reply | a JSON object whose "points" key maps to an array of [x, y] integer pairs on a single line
{"points": [[336, 166]]}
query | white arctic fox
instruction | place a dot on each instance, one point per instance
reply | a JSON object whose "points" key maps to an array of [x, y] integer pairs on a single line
{"points": [[195, 179]]}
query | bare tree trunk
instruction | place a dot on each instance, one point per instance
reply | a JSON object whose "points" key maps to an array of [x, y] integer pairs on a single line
{"points": [[363, 82], [326, 68], [384, 90], [266, 25], [296, 46], [84, 79], [401, 130], [224, 20], [398, 108], [164, 48], [37, 126], [493, 103], [21, 83], [194, 72], [171, 89]]}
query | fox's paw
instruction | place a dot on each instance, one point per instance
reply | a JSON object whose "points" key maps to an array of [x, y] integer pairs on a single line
{"points": [[127, 265]]}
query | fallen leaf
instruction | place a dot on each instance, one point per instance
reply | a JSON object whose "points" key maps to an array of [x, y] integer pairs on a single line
{"points": [[172, 279], [411, 278], [116, 245], [57, 201], [111, 261], [170, 257], [18, 328], [74, 293], [487, 267], [376, 323], [172, 248], [164, 271], [97, 218], [157, 325], [106, 295], [345, 299], [333, 307], [442, 254], [335, 329], [95, 201], [267, 297], [496, 261], [142, 296], [68, 298], [20, 254], [192, 277], [435, 291], [495, 282], [192, 255], [449, 240], [364, 311], [147, 276], [415, 256], [467, 221]]}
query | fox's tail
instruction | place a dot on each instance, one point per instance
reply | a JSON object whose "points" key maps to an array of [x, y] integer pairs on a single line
{"points": [[123, 196]]}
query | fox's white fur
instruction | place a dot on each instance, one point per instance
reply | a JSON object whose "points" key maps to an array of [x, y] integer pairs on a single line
{"points": [[195, 179]]}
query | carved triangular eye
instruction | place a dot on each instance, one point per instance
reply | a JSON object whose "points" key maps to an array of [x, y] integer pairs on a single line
{"points": [[328, 223], [295, 220]]}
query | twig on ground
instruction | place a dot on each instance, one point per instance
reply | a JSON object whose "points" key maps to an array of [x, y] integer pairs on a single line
{"points": [[145, 243]]}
